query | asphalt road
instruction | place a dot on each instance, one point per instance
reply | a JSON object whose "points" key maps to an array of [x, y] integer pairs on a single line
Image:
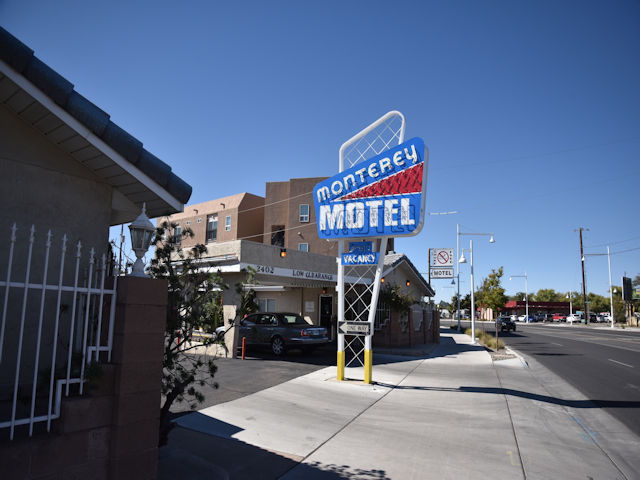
{"points": [[603, 364]]}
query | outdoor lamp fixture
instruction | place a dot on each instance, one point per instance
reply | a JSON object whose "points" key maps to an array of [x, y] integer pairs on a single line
{"points": [[382, 280], [283, 252], [408, 283], [324, 291], [142, 231]]}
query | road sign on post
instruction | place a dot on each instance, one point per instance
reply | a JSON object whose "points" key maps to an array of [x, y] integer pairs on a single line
{"points": [[441, 257], [440, 263], [355, 328], [441, 272]]}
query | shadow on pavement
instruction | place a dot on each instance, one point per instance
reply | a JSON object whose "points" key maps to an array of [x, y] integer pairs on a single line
{"points": [[590, 403], [194, 455]]}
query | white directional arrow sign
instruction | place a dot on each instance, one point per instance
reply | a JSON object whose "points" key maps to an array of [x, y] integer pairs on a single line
{"points": [[355, 328]]}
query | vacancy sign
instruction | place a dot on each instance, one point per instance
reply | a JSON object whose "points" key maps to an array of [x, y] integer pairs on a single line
{"points": [[382, 196]]}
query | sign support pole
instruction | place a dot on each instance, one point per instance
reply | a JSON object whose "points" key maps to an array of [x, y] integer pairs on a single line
{"points": [[368, 351], [340, 291]]}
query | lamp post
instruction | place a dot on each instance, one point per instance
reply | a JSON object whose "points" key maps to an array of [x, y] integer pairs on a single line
{"points": [[473, 304], [526, 293], [570, 297], [142, 231], [608, 254], [458, 234]]}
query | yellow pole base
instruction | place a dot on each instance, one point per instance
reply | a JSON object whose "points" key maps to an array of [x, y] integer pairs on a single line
{"points": [[368, 366], [340, 364]]}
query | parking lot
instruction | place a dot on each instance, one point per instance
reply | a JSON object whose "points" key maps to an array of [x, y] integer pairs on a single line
{"points": [[260, 369]]}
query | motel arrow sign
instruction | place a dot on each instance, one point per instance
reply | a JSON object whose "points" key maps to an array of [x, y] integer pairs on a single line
{"points": [[382, 196]]}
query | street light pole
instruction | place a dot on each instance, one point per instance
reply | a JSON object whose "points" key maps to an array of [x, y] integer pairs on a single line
{"points": [[610, 286], [463, 260], [608, 254], [458, 269], [526, 293], [473, 303], [570, 297]]}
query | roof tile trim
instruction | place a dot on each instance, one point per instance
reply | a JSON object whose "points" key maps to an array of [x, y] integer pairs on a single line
{"points": [[61, 91]]}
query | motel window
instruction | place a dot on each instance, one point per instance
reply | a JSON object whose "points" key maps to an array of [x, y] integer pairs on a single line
{"points": [[303, 247], [199, 220], [267, 304], [188, 222], [227, 223], [277, 235], [177, 235], [212, 228], [304, 212]]}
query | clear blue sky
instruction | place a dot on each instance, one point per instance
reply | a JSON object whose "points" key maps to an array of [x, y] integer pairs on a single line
{"points": [[530, 110]]}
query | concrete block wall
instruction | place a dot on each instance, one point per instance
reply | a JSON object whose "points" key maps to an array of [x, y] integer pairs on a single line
{"points": [[112, 431], [393, 334]]}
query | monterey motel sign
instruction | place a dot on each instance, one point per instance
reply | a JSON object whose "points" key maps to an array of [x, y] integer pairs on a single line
{"points": [[379, 197]]}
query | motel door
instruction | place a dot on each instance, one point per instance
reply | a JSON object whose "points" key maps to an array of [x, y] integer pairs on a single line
{"points": [[326, 312]]}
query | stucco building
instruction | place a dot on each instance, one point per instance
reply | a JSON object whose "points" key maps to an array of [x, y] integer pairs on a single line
{"points": [[276, 236]]}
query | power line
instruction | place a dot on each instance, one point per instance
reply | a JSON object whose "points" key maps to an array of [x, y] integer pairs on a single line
{"points": [[612, 243], [544, 154]]}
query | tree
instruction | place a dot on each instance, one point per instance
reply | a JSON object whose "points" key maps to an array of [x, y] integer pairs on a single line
{"points": [[518, 297], [193, 300], [491, 294], [465, 302], [636, 281], [548, 295], [248, 303]]}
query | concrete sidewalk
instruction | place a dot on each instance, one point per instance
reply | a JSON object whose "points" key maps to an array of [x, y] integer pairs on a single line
{"points": [[454, 414]]}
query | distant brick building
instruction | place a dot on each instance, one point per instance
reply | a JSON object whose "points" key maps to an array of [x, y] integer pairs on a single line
{"points": [[221, 220]]}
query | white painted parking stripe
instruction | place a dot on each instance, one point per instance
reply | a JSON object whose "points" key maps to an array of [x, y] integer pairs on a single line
{"points": [[558, 344], [615, 361]]}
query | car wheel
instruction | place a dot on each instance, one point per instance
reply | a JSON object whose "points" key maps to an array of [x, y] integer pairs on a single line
{"points": [[277, 346]]}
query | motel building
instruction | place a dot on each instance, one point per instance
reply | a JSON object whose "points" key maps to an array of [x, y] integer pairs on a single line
{"points": [[296, 271]]}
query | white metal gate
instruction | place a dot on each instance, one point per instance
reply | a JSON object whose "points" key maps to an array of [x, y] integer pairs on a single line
{"points": [[51, 329]]}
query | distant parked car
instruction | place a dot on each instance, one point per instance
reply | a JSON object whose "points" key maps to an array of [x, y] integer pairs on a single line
{"points": [[526, 319], [506, 324], [281, 331], [572, 318], [559, 317]]}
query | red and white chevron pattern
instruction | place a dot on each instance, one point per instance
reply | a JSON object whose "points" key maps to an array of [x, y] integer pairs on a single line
{"points": [[406, 181]]}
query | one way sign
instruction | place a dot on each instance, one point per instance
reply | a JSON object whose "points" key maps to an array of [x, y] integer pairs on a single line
{"points": [[355, 328]]}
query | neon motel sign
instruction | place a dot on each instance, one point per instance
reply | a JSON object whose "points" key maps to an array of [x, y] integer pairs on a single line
{"points": [[382, 196]]}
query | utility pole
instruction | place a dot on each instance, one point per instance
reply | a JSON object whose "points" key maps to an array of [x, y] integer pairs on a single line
{"points": [[584, 285]]}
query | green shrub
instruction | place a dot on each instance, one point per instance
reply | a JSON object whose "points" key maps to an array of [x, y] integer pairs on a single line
{"points": [[486, 339]]}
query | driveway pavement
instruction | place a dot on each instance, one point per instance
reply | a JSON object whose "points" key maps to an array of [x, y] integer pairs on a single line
{"points": [[452, 414]]}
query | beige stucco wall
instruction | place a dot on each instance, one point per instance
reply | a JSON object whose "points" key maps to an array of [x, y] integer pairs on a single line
{"points": [[43, 186]]}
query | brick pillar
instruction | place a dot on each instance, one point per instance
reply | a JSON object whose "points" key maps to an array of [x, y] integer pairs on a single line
{"points": [[137, 356]]}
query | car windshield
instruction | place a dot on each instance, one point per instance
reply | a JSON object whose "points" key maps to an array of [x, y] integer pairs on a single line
{"points": [[291, 319]]}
